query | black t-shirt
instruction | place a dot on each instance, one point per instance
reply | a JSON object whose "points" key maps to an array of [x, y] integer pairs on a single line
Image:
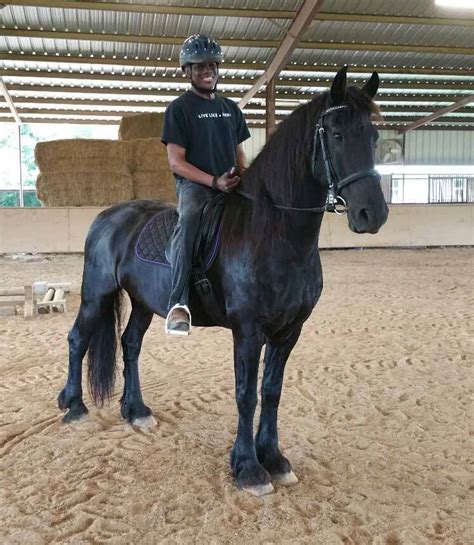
{"points": [[209, 130]]}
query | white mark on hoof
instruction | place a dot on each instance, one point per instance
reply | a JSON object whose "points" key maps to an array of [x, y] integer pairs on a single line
{"points": [[260, 490], [286, 479], [147, 422]]}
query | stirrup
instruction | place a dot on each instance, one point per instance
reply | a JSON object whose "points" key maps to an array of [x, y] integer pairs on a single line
{"points": [[176, 331]]}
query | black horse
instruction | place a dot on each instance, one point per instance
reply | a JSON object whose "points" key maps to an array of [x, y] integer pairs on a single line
{"points": [[267, 277]]}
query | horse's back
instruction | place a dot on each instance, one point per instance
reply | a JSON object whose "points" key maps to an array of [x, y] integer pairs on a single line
{"points": [[129, 213], [121, 223]]}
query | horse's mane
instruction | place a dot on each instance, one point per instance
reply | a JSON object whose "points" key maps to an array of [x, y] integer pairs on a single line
{"points": [[278, 172]]}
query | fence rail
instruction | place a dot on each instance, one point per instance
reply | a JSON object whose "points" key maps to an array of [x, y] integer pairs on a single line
{"points": [[428, 188]]}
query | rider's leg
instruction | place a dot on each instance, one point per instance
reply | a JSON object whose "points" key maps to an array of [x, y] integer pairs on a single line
{"points": [[192, 198]]}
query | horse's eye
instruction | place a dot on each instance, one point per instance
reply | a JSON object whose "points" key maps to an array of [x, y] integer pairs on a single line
{"points": [[338, 136]]}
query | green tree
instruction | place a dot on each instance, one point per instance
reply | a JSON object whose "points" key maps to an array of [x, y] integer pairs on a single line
{"points": [[28, 164], [9, 199]]}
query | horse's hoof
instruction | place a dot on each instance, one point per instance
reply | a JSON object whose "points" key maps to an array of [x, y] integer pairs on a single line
{"points": [[145, 422], [285, 479], [75, 416], [259, 489]]}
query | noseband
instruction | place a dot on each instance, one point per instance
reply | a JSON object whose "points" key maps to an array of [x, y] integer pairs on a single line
{"points": [[334, 202]]}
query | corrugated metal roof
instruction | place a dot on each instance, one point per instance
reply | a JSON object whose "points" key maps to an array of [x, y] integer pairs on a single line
{"points": [[381, 40]]}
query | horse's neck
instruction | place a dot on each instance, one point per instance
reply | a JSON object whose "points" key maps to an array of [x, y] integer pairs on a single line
{"points": [[302, 231], [301, 228]]}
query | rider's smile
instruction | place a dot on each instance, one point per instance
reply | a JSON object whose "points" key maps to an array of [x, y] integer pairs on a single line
{"points": [[204, 75]]}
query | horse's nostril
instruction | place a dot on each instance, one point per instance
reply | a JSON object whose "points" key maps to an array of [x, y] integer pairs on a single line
{"points": [[364, 215]]}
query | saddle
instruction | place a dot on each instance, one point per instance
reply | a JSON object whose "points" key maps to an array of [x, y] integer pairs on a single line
{"points": [[153, 245]]}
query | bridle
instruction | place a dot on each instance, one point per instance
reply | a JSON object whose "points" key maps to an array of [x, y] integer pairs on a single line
{"points": [[334, 202]]}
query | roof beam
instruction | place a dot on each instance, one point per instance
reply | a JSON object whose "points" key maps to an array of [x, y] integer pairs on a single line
{"points": [[69, 121], [130, 108], [9, 101], [293, 82], [438, 113], [164, 102], [175, 40], [150, 8], [230, 12], [164, 63], [250, 118], [297, 28], [14, 88]]}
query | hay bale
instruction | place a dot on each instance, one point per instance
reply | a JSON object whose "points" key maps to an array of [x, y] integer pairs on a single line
{"points": [[149, 154], [83, 155], [84, 188], [154, 184], [146, 125], [102, 172], [152, 176]]}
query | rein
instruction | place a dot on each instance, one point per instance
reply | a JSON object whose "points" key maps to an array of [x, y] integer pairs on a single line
{"points": [[334, 202]]}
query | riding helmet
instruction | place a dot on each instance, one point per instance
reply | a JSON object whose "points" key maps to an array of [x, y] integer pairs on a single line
{"points": [[200, 48]]}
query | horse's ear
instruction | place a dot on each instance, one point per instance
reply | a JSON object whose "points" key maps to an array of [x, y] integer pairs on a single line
{"points": [[338, 87], [372, 85]]}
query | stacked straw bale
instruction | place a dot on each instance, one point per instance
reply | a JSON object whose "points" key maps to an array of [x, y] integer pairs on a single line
{"points": [[82, 172], [103, 172], [152, 177], [146, 125]]}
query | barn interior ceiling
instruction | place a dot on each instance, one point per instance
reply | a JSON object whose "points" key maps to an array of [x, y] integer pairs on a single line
{"points": [[67, 61]]}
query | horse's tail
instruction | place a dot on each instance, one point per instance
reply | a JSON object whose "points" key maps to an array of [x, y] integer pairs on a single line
{"points": [[102, 353]]}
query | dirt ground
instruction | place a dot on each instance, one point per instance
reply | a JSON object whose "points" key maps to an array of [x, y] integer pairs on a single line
{"points": [[375, 418]]}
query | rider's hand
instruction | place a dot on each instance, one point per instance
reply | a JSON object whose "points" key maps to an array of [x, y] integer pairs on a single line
{"points": [[228, 181]]}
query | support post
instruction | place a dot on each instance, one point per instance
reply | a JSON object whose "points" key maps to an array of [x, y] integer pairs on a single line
{"points": [[270, 116]]}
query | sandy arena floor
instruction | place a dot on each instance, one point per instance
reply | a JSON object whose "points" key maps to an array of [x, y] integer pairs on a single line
{"points": [[375, 418]]}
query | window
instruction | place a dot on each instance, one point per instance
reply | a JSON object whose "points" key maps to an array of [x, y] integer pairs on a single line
{"points": [[458, 190], [16, 190]]}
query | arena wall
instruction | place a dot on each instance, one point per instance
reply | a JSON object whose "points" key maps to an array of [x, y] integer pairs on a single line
{"points": [[44, 230]]}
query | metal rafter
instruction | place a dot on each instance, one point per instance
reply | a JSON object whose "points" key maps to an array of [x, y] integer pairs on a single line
{"points": [[438, 113], [251, 118], [231, 12], [9, 101], [294, 33], [439, 126], [174, 40], [20, 100], [163, 63], [294, 82], [71, 88]]}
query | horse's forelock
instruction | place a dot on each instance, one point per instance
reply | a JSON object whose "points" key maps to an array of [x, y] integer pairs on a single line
{"points": [[360, 102]]}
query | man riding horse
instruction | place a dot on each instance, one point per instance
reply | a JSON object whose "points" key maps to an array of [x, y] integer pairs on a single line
{"points": [[203, 133]]}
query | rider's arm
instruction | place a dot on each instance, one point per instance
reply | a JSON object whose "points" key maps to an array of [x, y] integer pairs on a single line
{"points": [[241, 159], [181, 167]]}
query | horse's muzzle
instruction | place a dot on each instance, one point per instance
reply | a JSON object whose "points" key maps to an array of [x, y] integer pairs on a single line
{"points": [[367, 219]]}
